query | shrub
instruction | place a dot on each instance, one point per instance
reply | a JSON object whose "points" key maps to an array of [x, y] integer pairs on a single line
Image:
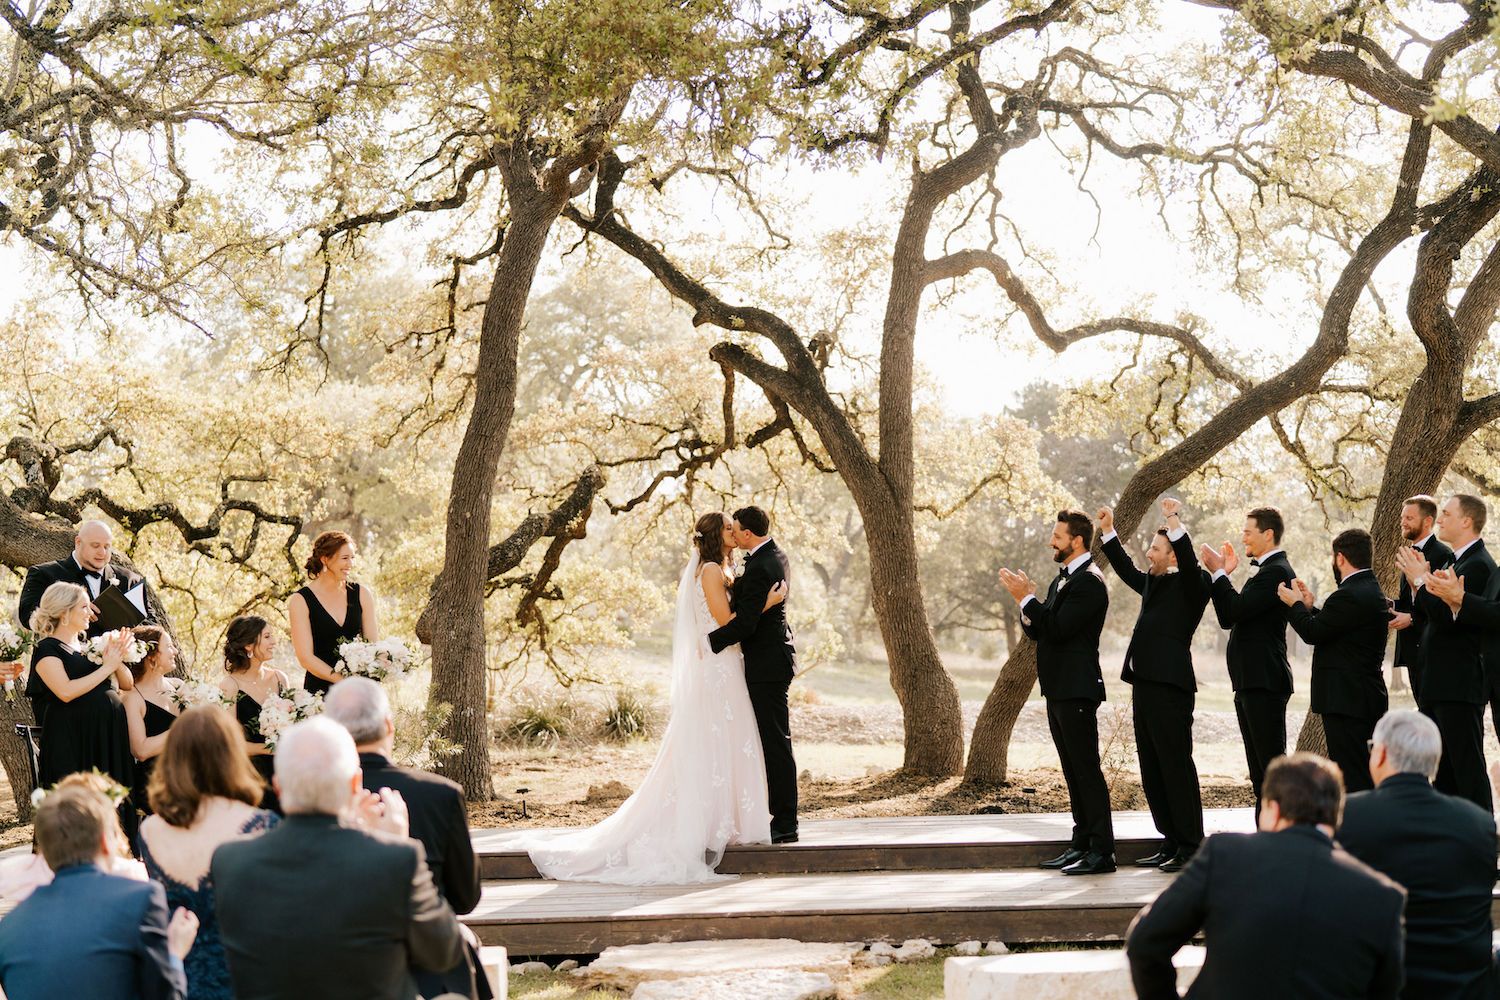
{"points": [[542, 723], [629, 716]]}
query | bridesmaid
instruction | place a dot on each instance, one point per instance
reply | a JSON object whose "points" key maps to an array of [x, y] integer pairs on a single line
{"points": [[249, 644], [330, 610], [149, 709], [82, 717]]}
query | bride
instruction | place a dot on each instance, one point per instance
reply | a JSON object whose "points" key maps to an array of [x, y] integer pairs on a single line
{"points": [[707, 787]]}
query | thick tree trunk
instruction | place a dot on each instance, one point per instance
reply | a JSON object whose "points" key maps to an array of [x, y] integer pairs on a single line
{"points": [[14, 756], [932, 715], [989, 747], [453, 621]]}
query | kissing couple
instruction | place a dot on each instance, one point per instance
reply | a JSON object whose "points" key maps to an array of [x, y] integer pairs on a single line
{"points": [[724, 773]]}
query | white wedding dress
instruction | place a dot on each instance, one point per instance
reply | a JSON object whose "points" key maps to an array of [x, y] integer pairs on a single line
{"points": [[706, 789]]}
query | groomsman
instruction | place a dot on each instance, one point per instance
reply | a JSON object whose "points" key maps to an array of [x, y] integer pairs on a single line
{"points": [[1159, 666], [88, 565], [1418, 516], [1256, 619], [1066, 627], [1347, 635], [1454, 688]]}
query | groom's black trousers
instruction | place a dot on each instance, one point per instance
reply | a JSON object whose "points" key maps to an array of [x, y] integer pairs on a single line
{"points": [[774, 722]]}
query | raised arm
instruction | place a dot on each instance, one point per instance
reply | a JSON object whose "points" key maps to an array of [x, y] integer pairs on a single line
{"points": [[1124, 567], [1232, 606], [55, 675], [753, 589]]}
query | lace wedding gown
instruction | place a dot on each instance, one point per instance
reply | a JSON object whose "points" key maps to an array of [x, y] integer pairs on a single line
{"points": [[706, 789]]}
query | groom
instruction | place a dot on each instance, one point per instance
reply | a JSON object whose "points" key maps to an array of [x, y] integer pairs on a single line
{"points": [[770, 661]]}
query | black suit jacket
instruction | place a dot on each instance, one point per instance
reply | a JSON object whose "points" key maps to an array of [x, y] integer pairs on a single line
{"points": [[1256, 620], [1453, 648], [1441, 848], [1482, 610], [1286, 914], [65, 570], [1348, 636], [764, 636], [1409, 639], [1066, 627], [1172, 605], [439, 820], [314, 909]]}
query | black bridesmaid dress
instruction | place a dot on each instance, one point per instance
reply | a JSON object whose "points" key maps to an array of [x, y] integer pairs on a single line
{"points": [[85, 734], [328, 634], [247, 711], [158, 720]]}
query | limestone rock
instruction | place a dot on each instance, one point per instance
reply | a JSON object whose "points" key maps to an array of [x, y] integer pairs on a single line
{"points": [[531, 969], [628, 967], [914, 950], [764, 984], [996, 948], [966, 948], [567, 965], [1054, 975], [883, 948]]}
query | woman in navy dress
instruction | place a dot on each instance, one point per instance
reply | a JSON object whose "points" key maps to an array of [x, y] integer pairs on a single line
{"points": [[249, 644], [329, 611], [204, 793], [149, 706], [82, 717]]}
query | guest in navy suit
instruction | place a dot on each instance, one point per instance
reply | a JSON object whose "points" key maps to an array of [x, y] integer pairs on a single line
{"points": [[88, 933]]}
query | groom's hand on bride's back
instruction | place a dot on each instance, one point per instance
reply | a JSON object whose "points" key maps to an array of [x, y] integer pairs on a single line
{"points": [[775, 595]]}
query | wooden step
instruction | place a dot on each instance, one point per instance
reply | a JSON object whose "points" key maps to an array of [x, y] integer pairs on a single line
{"points": [[561, 918], [899, 843]]}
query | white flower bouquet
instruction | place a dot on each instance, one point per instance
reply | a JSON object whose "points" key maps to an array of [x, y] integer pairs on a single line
{"points": [[375, 660], [281, 711], [15, 643], [94, 649], [192, 694]]}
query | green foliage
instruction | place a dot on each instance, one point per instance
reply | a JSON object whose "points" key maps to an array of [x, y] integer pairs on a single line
{"points": [[629, 716], [542, 723]]}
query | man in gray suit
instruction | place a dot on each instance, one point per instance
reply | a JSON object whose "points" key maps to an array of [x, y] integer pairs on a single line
{"points": [[322, 908]]}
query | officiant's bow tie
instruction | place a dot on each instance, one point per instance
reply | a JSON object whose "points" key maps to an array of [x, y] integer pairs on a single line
{"points": [[1254, 562]]}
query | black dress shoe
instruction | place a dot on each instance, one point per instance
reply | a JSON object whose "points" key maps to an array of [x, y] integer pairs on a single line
{"points": [[1092, 863], [1064, 859], [784, 838], [1176, 862], [1156, 860]]}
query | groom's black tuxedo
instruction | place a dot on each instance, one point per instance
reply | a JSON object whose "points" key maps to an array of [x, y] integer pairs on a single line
{"points": [[67, 570], [770, 661]]}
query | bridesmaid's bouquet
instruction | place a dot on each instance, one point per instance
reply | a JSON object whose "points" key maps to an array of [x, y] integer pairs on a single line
{"points": [[281, 711], [15, 643], [193, 694], [94, 649], [375, 660]]}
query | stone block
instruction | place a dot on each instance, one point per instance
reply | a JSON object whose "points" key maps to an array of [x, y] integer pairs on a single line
{"points": [[1053, 975]]}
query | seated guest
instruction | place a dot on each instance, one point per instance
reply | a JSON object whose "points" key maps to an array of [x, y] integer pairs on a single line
{"points": [[22, 875], [1347, 635], [435, 807], [1439, 847], [249, 644], [203, 793], [1285, 912], [88, 933], [81, 714], [149, 710], [319, 909]]}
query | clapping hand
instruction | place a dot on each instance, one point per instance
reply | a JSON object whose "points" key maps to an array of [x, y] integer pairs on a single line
{"points": [[182, 930], [114, 648], [1412, 564], [1230, 557], [1018, 584], [1447, 587], [1211, 558], [1106, 519], [1304, 592], [384, 812], [1287, 594]]}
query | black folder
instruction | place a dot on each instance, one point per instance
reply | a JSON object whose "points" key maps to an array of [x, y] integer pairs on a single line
{"points": [[116, 611]]}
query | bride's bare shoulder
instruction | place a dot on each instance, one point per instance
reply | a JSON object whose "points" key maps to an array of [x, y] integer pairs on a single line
{"points": [[711, 576]]}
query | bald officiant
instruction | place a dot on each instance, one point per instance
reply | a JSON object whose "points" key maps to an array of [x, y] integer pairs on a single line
{"points": [[88, 565]]}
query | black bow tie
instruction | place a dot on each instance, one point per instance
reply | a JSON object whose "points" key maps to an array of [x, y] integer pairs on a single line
{"points": [[1254, 562], [92, 576], [1062, 573]]}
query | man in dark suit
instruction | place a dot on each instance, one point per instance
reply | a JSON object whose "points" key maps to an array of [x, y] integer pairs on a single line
{"points": [[1159, 667], [1454, 683], [88, 565], [1440, 848], [1258, 668], [1348, 637], [1066, 628], [436, 815], [313, 908], [1285, 912], [88, 933], [770, 660], [1418, 518]]}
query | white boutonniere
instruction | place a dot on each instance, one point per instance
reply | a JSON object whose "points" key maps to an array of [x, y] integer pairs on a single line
{"points": [[739, 570]]}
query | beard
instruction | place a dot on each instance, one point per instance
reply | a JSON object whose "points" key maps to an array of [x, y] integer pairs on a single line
{"points": [[1059, 556], [1413, 535], [1337, 576]]}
